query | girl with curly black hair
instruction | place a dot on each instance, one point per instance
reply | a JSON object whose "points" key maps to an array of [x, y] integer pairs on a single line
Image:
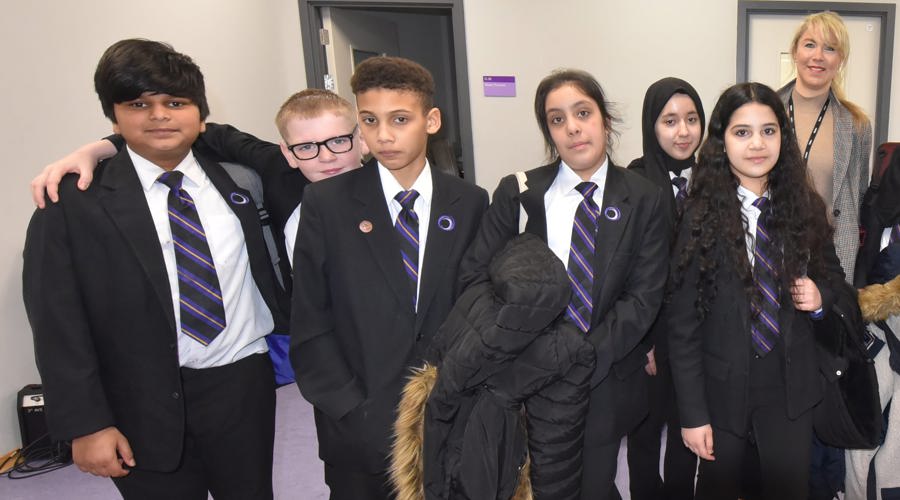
{"points": [[753, 269]]}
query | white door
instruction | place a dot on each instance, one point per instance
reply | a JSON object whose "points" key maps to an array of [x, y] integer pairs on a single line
{"points": [[353, 37], [770, 62]]}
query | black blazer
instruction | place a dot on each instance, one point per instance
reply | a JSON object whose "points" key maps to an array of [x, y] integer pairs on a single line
{"points": [[711, 358], [355, 334], [630, 262], [659, 176], [100, 306]]}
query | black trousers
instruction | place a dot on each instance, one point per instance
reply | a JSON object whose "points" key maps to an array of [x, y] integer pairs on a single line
{"points": [[598, 477], [229, 436], [350, 484], [782, 445], [679, 463]]}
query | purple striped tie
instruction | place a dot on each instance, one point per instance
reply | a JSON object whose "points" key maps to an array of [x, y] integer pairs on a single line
{"points": [[407, 227], [765, 303], [581, 258], [202, 310]]}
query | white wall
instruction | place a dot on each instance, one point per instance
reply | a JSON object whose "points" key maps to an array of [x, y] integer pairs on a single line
{"points": [[249, 51], [626, 45], [251, 54]]}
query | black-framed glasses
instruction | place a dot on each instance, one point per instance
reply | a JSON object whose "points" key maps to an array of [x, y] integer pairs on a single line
{"points": [[337, 145]]}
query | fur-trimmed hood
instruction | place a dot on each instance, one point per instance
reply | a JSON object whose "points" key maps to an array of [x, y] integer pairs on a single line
{"points": [[877, 302], [464, 430]]}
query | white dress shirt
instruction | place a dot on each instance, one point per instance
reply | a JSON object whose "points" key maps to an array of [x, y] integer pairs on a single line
{"points": [[247, 317], [422, 207], [290, 233], [885, 238], [561, 202], [750, 215], [686, 173]]}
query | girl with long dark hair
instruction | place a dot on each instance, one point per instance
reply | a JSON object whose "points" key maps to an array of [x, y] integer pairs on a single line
{"points": [[753, 269]]}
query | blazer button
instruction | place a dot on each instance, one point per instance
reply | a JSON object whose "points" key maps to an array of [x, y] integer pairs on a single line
{"points": [[418, 337], [175, 395], [836, 212], [838, 373]]}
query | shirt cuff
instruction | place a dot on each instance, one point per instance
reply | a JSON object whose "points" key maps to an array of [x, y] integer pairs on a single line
{"points": [[817, 314]]}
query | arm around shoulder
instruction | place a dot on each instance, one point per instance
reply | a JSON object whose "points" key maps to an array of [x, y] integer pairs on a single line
{"points": [[231, 144]]}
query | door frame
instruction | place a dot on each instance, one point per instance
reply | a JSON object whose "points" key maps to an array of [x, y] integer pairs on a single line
{"points": [[884, 11], [316, 68]]}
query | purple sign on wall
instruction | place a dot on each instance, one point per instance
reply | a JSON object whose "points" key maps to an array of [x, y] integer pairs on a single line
{"points": [[499, 86]]}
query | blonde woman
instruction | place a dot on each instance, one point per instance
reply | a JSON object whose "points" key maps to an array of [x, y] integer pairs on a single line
{"points": [[834, 134]]}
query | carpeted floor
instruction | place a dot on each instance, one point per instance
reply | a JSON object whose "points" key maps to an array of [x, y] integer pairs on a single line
{"points": [[297, 470]]}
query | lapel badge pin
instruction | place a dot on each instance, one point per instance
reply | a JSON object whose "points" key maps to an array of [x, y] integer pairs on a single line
{"points": [[365, 226], [239, 199], [612, 213], [446, 222]]}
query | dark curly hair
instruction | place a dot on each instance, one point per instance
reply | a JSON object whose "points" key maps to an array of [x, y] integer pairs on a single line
{"points": [[394, 73], [717, 234]]}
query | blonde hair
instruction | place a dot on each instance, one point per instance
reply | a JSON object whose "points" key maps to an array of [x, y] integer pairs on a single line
{"points": [[833, 29], [312, 103]]}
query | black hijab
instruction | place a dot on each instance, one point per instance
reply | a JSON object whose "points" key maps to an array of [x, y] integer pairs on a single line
{"points": [[654, 101]]}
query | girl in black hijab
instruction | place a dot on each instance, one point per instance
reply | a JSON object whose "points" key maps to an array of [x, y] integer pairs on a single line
{"points": [[673, 123]]}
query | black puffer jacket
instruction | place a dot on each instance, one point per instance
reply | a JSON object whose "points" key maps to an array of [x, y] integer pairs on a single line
{"points": [[513, 381]]}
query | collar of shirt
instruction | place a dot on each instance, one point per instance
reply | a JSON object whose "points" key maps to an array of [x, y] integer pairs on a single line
{"points": [[567, 179], [561, 202], [391, 187], [747, 198], [750, 216], [686, 173], [422, 207], [148, 171]]}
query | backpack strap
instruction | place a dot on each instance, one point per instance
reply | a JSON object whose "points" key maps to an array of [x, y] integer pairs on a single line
{"points": [[250, 180]]}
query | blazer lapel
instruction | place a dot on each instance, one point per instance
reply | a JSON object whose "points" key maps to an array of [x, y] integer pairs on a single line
{"points": [[371, 207], [126, 205], [532, 199], [843, 133], [441, 240], [614, 215], [241, 203]]}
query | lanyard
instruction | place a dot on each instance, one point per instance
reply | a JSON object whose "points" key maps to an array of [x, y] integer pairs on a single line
{"points": [[815, 130]]}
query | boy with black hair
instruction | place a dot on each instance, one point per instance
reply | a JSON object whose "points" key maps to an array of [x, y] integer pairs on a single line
{"points": [[320, 139], [378, 255], [151, 349]]}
